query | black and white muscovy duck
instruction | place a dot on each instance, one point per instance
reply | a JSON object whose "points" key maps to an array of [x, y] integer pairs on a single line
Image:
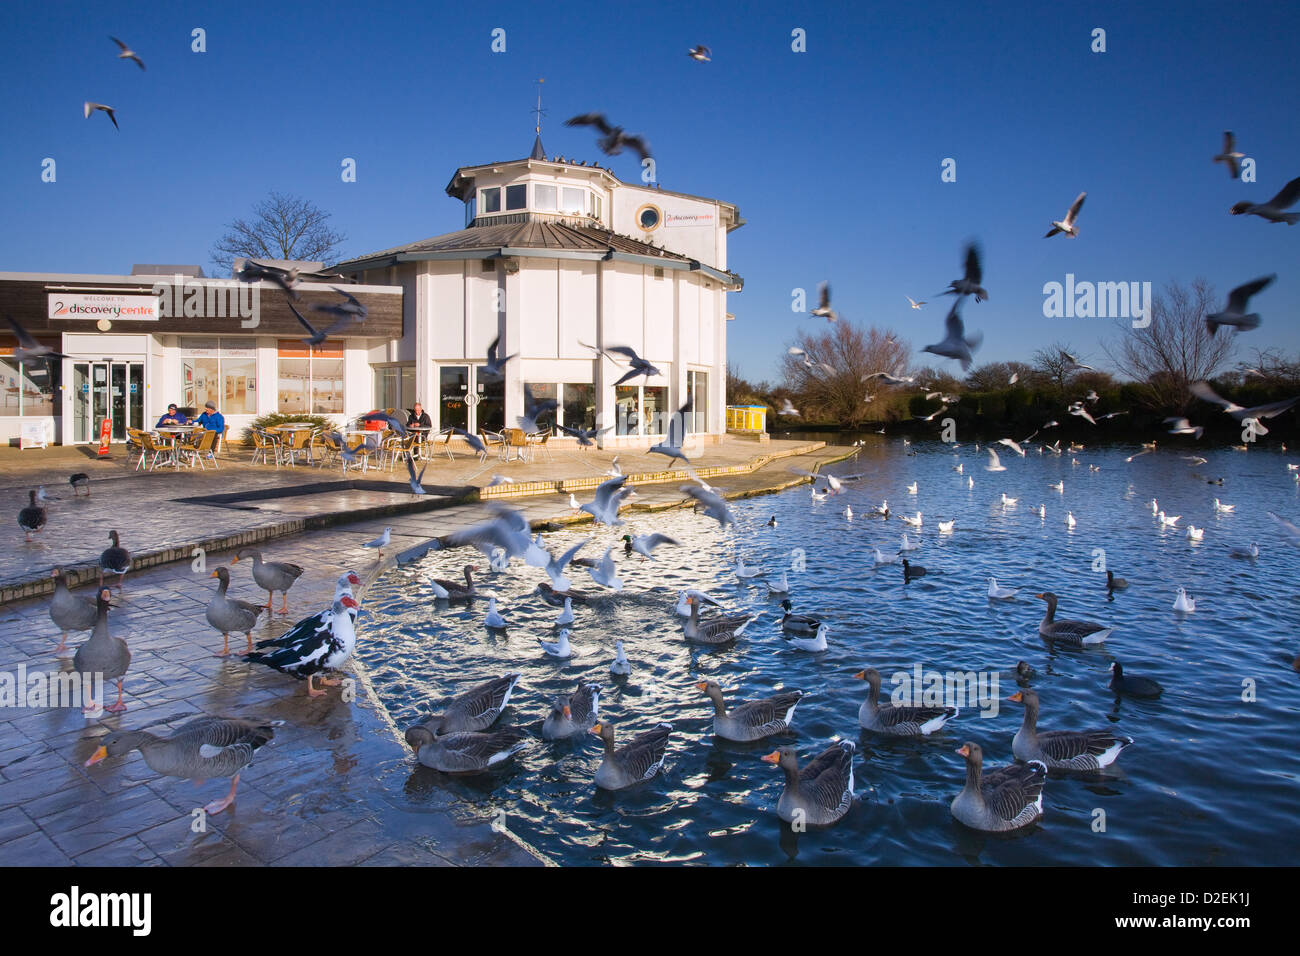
{"points": [[316, 644]]}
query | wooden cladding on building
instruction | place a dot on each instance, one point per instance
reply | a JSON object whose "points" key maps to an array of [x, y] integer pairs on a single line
{"points": [[219, 307]]}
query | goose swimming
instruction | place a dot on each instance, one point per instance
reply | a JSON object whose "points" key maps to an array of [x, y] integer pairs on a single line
{"points": [[573, 715], [1133, 686], [719, 630], [1007, 798], [821, 793], [894, 719], [751, 720], [1071, 633], [1063, 749], [635, 762], [472, 710]]}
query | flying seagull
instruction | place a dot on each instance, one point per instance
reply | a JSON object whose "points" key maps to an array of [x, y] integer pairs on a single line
{"points": [[915, 304], [700, 53], [496, 365], [995, 463], [1067, 225], [28, 349], [639, 366], [1271, 410], [286, 279], [888, 379], [613, 139], [1075, 365], [1230, 157], [955, 345], [969, 284], [824, 309], [787, 408], [534, 410], [712, 504], [394, 423], [1180, 426], [416, 487], [317, 335], [676, 434], [1272, 210], [90, 107], [584, 435], [1234, 313], [351, 309], [127, 53]]}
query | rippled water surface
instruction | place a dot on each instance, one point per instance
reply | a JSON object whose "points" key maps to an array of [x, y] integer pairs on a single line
{"points": [[1211, 779]]}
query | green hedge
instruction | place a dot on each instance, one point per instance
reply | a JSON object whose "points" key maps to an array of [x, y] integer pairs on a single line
{"points": [[266, 421]]}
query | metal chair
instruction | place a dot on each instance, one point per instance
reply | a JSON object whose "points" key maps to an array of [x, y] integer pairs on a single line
{"points": [[265, 445]]}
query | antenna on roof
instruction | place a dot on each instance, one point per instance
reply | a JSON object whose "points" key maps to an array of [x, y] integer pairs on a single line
{"points": [[539, 111]]}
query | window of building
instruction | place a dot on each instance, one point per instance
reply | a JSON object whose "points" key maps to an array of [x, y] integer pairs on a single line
{"points": [[595, 205], [490, 199], [578, 409], [544, 197], [309, 380], [654, 409], [221, 371], [627, 409], [697, 386], [27, 389], [489, 265], [659, 272], [394, 386], [490, 412], [516, 196], [573, 201]]}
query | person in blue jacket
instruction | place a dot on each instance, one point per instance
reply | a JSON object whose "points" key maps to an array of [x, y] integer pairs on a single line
{"points": [[173, 417], [213, 421]]}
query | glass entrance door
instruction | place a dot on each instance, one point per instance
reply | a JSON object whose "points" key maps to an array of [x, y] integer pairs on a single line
{"points": [[112, 390]]}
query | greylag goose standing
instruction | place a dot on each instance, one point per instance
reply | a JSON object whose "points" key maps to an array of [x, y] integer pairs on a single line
{"points": [[751, 720], [898, 721], [821, 793], [103, 654], [115, 559], [573, 715], [32, 518], [228, 614], [271, 576], [475, 709], [1007, 798], [198, 749], [1063, 749], [69, 612], [639, 760]]}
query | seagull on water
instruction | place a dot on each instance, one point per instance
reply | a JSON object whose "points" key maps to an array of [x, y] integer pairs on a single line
{"points": [[1184, 603], [997, 593]]}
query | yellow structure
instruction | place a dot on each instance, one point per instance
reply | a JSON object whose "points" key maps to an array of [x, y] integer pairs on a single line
{"points": [[747, 418]]}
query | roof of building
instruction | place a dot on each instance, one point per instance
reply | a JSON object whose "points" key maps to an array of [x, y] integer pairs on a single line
{"points": [[551, 235]]}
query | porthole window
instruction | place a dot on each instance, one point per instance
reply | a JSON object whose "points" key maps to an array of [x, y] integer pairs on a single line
{"points": [[648, 217]]}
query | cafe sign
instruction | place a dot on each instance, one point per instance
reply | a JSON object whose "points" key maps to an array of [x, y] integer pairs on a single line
{"points": [[96, 306]]}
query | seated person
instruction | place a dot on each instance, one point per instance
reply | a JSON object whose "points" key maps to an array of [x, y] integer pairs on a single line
{"points": [[172, 417], [211, 419], [419, 418]]}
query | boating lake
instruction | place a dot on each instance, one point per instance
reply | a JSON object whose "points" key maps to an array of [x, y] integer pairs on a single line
{"points": [[1211, 778]]}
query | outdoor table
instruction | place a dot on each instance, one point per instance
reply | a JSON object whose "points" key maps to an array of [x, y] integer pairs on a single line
{"points": [[172, 433], [422, 431]]}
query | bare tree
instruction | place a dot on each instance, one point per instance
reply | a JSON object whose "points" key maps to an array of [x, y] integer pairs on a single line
{"points": [[828, 376], [1269, 367], [1053, 366], [996, 376], [282, 227], [1175, 349]]}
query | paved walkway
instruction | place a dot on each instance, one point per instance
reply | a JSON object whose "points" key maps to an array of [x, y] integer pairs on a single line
{"points": [[337, 786]]}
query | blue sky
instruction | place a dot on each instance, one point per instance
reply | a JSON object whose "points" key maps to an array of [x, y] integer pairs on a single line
{"points": [[833, 155]]}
